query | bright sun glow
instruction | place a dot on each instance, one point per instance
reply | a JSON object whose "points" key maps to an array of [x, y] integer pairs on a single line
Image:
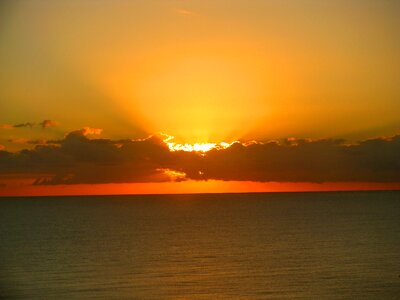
{"points": [[196, 147]]}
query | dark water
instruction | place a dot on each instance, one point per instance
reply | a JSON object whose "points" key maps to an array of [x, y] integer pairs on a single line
{"points": [[248, 246]]}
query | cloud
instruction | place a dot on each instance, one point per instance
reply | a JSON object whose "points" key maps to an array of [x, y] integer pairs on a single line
{"points": [[48, 123], [29, 141], [85, 131], [21, 125], [80, 159], [43, 124], [303, 161]]}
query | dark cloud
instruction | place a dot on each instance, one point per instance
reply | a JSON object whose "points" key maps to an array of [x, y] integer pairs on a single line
{"points": [[27, 124], [374, 160], [78, 159], [48, 123], [43, 124]]}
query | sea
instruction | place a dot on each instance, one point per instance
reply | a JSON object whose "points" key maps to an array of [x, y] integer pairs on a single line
{"points": [[330, 245]]}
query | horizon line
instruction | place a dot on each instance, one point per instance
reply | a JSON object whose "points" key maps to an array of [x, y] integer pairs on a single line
{"points": [[204, 193]]}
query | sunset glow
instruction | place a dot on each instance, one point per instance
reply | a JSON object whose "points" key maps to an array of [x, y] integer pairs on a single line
{"points": [[303, 91], [193, 149], [197, 147]]}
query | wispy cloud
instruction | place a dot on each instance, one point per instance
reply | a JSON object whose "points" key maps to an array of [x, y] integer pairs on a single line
{"points": [[21, 125], [48, 123], [43, 124], [30, 141]]}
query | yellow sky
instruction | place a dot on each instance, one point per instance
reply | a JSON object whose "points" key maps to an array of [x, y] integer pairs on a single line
{"points": [[203, 71]]}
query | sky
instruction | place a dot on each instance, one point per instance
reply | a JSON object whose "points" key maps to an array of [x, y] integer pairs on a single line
{"points": [[273, 95]]}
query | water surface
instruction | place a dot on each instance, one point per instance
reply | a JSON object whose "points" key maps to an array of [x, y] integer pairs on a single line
{"points": [[343, 245]]}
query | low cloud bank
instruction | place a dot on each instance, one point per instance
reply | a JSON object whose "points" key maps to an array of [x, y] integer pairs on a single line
{"points": [[79, 159]]}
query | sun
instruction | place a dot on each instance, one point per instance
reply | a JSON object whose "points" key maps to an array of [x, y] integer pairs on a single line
{"points": [[196, 147]]}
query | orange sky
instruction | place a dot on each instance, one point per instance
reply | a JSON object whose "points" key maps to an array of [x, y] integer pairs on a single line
{"points": [[212, 186], [201, 71]]}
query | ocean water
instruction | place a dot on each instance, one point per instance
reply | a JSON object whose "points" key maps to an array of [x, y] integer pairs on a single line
{"points": [[343, 245]]}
